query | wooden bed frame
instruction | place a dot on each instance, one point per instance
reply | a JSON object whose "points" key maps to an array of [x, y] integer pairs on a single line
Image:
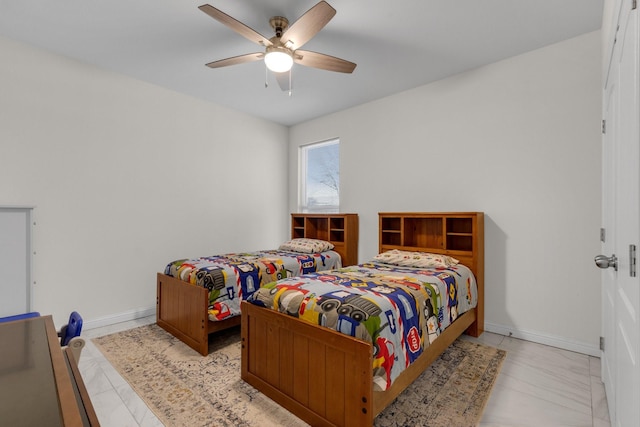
{"points": [[325, 377], [182, 308]]}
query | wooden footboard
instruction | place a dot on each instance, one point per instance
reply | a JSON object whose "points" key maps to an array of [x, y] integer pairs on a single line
{"points": [[182, 310], [322, 376]]}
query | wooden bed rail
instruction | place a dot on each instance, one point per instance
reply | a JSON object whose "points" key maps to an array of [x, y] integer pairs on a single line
{"points": [[383, 399]]}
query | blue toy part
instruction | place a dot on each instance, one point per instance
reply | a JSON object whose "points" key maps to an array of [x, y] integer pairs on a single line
{"points": [[71, 329]]}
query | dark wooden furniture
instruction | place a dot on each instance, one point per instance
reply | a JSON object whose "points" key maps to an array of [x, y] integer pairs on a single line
{"points": [[182, 308], [325, 377], [40, 384]]}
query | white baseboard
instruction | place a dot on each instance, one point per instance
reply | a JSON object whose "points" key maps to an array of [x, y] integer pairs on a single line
{"points": [[120, 317], [553, 341]]}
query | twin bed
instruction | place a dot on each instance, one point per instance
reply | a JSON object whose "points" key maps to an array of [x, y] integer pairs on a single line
{"points": [[327, 377], [191, 313]]}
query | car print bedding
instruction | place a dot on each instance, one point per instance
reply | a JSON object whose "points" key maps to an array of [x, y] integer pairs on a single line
{"points": [[233, 277], [400, 310]]}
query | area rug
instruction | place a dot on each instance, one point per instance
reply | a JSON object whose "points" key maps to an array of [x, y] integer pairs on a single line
{"points": [[184, 388]]}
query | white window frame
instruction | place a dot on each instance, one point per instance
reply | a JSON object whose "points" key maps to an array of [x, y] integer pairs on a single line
{"points": [[302, 177]]}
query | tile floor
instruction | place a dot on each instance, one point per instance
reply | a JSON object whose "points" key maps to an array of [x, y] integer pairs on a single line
{"points": [[537, 386]]}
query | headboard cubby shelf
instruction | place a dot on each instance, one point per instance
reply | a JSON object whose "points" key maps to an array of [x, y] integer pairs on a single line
{"points": [[339, 229], [448, 233]]}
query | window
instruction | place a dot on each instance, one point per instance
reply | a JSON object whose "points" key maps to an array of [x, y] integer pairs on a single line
{"points": [[320, 177]]}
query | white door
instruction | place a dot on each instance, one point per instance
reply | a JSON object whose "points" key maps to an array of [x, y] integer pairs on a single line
{"points": [[621, 216]]}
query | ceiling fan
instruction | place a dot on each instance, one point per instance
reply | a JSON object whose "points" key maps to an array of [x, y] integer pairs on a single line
{"points": [[283, 49]]}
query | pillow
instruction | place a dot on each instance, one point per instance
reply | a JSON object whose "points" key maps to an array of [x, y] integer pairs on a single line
{"points": [[415, 259], [307, 246]]}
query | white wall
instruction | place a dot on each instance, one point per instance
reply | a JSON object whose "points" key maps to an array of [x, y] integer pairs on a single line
{"points": [[518, 140], [125, 177]]}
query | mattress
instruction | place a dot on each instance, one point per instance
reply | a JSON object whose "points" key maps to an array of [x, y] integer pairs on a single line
{"points": [[233, 277]]}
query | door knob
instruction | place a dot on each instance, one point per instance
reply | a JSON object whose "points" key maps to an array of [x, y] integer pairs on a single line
{"points": [[603, 261]]}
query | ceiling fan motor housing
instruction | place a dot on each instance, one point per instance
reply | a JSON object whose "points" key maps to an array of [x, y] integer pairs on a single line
{"points": [[279, 24]]}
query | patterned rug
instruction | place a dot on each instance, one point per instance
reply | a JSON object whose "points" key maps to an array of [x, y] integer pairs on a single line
{"points": [[184, 388]]}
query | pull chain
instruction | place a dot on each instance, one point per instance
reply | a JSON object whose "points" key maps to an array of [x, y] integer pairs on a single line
{"points": [[266, 77]]}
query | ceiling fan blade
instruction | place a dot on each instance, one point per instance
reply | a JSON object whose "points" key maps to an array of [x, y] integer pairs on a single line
{"points": [[241, 59], [235, 25], [322, 61], [283, 80], [308, 25]]}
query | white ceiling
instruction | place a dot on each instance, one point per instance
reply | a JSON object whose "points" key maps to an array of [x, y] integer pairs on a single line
{"points": [[398, 45]]}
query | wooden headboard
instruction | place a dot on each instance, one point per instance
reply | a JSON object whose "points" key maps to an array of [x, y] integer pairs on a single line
{"points": [[339, 229], [457, 234]]}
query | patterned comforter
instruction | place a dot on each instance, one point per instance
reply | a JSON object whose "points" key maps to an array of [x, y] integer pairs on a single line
{"points": [[235, 276], [400, 310]]}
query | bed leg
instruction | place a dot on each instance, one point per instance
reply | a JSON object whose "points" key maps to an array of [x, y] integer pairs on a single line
{"points": [[476, 328]]}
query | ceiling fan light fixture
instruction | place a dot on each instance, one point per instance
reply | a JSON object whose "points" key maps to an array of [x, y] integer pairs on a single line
{"points": [[278, 60]]}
